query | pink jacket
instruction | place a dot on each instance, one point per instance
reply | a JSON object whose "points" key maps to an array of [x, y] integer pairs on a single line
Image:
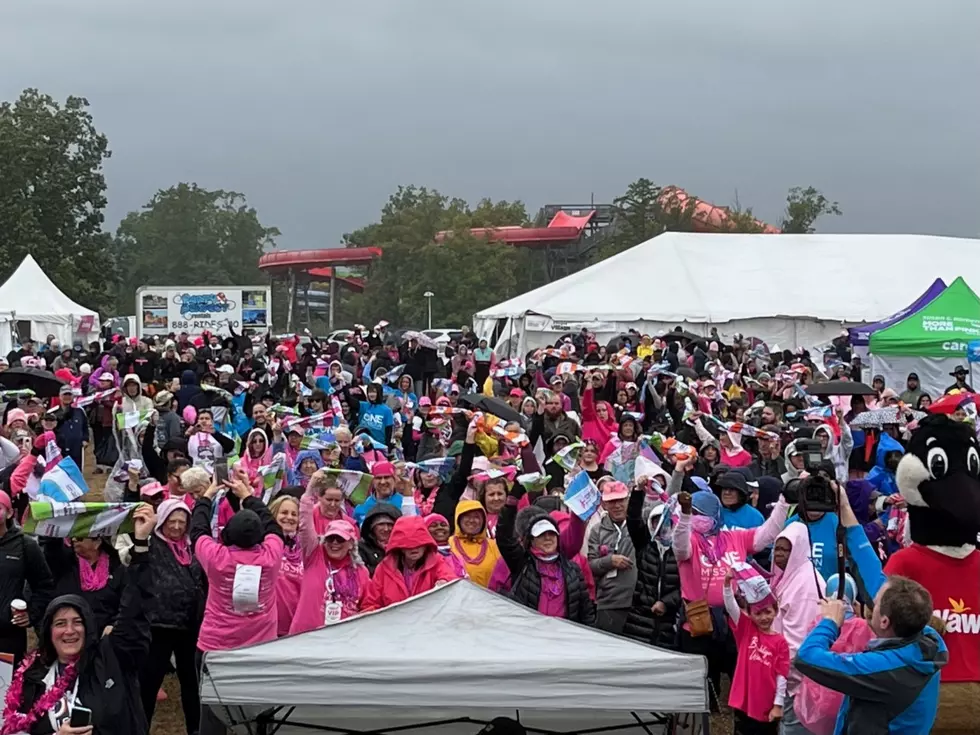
{"points": [[592, 426], [224, 629], [287, 589]]}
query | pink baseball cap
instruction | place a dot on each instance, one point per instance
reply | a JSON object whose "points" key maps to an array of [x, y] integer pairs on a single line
{"points": [[5, 503], [614, 491], [425, 401], [516, 393], [151, 489], [343, 529]]}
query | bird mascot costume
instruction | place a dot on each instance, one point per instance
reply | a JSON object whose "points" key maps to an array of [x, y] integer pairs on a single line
{"points": [[939, 477]]}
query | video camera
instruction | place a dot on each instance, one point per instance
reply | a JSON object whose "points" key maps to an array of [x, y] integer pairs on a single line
{"points": [[816, 492], [811, 452]]}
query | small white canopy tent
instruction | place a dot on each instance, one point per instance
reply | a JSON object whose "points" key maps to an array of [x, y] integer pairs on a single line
{"points": [[447, 662], [789, 290], [31, 295]]}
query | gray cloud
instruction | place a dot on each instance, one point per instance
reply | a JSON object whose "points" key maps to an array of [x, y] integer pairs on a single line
{"points": [[318, 110]]}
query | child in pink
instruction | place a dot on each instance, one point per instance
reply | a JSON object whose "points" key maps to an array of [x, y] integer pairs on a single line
{"points": [[759, 684]]}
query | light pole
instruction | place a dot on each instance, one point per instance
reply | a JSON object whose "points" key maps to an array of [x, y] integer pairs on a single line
{"points": [[428, 298]]}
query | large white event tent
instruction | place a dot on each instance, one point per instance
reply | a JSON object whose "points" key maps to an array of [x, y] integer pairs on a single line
{"points": [[446, 663], [32, 297], [789, 290]]}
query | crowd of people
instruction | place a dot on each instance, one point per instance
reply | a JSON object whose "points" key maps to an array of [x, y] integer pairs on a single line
{"points": [[285, 485]]}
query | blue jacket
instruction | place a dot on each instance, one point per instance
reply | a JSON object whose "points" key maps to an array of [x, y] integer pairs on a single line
{"points": [[361, 510], [71, 432], [891, 688], [881, 478]]}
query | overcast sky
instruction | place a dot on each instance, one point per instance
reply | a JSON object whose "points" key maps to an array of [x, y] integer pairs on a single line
{"points": [[318, 109]]}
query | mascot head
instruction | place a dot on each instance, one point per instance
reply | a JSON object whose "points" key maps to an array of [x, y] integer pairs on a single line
{"points": [[939, 477]]}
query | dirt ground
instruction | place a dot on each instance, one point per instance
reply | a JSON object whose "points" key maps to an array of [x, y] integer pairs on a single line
{"points": [[168, 718]]}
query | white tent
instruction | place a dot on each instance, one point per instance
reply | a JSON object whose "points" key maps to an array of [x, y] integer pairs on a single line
{"points": [[790, 290], [444, 661], [7, 326], [31, 295]]}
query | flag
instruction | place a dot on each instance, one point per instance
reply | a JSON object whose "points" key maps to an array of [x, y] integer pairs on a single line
{"points": [[568, 457], [6, 395], [278, 410], [442, 466], [567, 368], [366, 442], [534, 481], [582, 496], [79, 520], [273, 475], [83, 401], [304, 423], [511, 368], [316, 442], [356, 486], [622, 461], [132, 419], [395, 373], [62, 483]]}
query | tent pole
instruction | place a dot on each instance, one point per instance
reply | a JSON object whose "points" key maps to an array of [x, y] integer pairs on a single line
{"points": [[291, 300], [333, 291]]}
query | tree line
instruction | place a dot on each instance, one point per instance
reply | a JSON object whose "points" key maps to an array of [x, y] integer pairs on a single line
{"points": [[53, 197]]}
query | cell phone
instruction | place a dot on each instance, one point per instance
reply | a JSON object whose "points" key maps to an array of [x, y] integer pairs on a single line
{"points": [[80, 717], [220, 472]]}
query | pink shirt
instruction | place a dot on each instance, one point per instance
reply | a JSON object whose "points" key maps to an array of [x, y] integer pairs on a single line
{"points": [[761, 658], [700, 577], [223, 628]]}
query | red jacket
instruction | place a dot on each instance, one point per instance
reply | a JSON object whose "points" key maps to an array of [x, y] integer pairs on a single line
{"points": [[388, 584]]}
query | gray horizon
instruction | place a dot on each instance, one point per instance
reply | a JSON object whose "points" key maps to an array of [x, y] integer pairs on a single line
{"points": [[318, 111]]}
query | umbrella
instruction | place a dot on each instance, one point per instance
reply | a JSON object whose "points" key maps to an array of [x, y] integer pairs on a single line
{"points": [[489, 404], [421, 339], [840, 388], [619, 342], [878, 417], [45, 384], [686, 372]]}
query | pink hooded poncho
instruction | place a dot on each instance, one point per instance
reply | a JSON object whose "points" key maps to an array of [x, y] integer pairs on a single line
{"points": [[593, 427], [797, 588]]}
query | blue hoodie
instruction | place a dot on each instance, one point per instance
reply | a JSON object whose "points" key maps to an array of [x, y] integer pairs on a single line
{"points": [[881, 478], [293, 476]]}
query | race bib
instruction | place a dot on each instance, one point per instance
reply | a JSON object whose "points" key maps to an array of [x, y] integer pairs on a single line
{"points": [[245, 589]]}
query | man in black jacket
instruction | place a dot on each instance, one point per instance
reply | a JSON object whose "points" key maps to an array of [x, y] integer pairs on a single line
{"points": [[21, 561]]}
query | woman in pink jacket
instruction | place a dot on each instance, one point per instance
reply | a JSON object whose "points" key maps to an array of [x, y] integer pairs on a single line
{"points": [[285, 509], [242, 570], [598, 419], [335, 580]]}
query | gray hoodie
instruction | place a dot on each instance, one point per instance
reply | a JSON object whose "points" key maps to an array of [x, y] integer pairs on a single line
{"points": [[613, 587]]}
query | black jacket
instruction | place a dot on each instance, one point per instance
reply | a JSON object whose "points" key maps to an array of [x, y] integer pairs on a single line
{"points": [[108, 671], [370, 552], [63, 563], [658, 579], [179, 591], [21, 561], [525, 585]]}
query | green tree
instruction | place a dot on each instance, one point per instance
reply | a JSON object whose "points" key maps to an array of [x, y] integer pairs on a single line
{"points": [[645, 210], [465, 273], [52, 194], [190, 236], [804, 207]]}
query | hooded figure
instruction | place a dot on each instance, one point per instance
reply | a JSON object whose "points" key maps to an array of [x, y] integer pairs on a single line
{"points": [[255, 455], [412, 565], [792, 472], [251, 539], [797, 587], [174, 614], [372, 546], [105, 670], [887, 456], [189, 389], [477, 552], [137, 403], [598, 419], [297, 476]]}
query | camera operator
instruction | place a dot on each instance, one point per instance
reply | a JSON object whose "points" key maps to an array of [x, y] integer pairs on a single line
{"points": [[818, 496]]}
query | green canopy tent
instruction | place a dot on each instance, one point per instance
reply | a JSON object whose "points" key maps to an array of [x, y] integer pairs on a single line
{"points": [[931, 342]]}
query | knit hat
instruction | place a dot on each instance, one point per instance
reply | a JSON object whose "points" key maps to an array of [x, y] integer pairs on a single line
{"points": [[16, 414], [383, 469]]}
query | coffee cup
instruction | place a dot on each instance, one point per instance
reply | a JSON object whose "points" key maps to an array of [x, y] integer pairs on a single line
{"points": [[17, 607]]}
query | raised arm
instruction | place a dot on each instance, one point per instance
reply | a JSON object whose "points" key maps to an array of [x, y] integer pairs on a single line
{"points": [[638, 530], [130, 636], [510, 549], [765, 535], [308, 540]]}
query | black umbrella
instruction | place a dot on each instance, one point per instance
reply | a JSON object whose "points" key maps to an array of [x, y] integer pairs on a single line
{"points": [[45, 384], [488, 404], [619, 342], [840, 388]]}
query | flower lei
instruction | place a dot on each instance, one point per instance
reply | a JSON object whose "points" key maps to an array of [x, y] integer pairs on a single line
{"points": [[14, 721], [424, 504]]}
